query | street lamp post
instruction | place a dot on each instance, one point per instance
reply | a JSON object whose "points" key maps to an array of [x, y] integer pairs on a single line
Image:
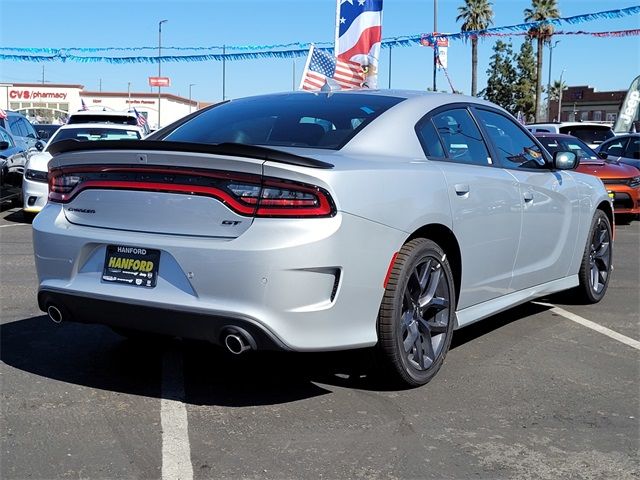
{"points": [[129, 94], [160, 63], [560, 98], [190, 85], [551, 47]]}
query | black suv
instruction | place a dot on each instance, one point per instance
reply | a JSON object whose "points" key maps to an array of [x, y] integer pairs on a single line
{"points": [[22, 130]]}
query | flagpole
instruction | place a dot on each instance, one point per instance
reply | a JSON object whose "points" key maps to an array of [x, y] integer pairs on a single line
{"points": [[435, 40], [306, 65], [335, 43]]}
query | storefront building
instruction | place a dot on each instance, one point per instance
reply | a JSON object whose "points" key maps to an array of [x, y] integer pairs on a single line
{"points": [[52, 103]]}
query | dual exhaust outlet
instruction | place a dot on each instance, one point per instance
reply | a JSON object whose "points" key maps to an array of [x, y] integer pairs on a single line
{"points": [[236, 340]]}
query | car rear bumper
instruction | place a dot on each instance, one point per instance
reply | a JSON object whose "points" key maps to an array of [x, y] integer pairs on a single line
{"points": [[306, 284], [200, 325]]}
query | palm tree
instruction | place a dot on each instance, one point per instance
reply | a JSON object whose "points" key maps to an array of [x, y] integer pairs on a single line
{"points": [[476, 15], [541, 10]]}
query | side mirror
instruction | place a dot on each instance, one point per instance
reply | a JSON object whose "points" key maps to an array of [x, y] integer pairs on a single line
{"points": [[40, 145], [565, 160], [603, 155], [4, 145]]}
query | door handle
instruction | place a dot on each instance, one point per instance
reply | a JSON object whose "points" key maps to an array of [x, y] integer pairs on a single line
{"points": [[461, 189], [528, 196]]}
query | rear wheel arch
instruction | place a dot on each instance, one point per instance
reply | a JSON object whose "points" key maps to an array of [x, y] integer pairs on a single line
{"points": [[446, 239]]}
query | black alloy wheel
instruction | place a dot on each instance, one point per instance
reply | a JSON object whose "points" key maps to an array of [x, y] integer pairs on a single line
{"points": [[595, 270], [417, 315]]}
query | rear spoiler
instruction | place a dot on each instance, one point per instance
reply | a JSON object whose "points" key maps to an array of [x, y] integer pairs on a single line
{"points": [[231, 149]]}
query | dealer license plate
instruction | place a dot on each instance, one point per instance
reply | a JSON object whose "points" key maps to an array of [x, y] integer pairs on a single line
{"points": [[135, 266]]}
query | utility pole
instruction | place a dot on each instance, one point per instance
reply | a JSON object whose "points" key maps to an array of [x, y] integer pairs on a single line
{"points": [[551, 47], [99, 85], [129, 94], [43, 74], [160, 63], [224, 73], [293, 75], [390, 48], [190, 85]]}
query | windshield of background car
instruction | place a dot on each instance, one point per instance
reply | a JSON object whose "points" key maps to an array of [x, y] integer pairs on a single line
{"points": [[589, 133], [91, 134], [559, 144], [320, 120]]}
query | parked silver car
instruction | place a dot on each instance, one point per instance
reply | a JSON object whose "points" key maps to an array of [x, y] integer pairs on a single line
{"points": [[320, 221]]}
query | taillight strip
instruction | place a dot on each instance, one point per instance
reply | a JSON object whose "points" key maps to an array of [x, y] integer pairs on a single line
{"points": [[262, 205]]}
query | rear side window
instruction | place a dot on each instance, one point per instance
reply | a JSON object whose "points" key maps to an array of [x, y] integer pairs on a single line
{"points": [[514, 147], [319, 120], [430, 140], [461, 138]]}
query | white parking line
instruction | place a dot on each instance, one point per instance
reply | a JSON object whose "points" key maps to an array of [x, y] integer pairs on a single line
{"points": [[15, 225], [176, 452], [592, 325]]}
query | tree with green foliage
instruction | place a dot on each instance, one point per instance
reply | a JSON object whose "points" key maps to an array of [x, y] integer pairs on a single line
{"points": [[541, 10], [525, 87], [476, 15], [501, 77]]}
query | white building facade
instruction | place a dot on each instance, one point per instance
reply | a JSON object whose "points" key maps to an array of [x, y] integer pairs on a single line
{"points": [[52, 103]]}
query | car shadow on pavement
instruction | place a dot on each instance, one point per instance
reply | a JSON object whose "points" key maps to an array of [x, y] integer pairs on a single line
{"points": [[17, 216], [95, 357]]}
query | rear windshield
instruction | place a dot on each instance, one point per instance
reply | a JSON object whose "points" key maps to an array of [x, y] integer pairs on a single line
{"points": [[92, 134], [119, 119], [320, 120], [589, 133]]}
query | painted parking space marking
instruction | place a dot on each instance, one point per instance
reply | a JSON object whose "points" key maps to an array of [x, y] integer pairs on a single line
{"points": [[592, 325], [16, 225], [176, 451]]}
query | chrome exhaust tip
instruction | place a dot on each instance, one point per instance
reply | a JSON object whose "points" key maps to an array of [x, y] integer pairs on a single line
{"points": [[236, 344], [54, 313]]}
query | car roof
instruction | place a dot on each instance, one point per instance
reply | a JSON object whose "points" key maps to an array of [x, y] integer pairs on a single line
{"points": [[568, 124]]}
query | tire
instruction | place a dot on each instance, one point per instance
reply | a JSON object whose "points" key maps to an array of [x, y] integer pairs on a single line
{"points": [[413, 340], [595, 269]]}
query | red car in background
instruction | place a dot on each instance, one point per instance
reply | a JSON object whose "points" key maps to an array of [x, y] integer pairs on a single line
{"points": [[621, 180]]}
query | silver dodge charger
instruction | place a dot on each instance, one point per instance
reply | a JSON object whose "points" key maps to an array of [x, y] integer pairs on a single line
{"points": [[320, 221]]}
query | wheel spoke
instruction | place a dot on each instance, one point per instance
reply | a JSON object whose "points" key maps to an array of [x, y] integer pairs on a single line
{"points": [[412, 332], [594, 276], [427, 296], [602, 250]]}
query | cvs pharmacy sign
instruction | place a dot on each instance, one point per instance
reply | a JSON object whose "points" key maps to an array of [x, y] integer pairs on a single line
{"points": [[36, 95]]}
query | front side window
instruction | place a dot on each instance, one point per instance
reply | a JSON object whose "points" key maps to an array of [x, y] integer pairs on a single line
{"points": [[614, 148], [16, 127], [568, 144], [461, 138], [633, 149], [514, 147], [318, 120], [4, 137]]}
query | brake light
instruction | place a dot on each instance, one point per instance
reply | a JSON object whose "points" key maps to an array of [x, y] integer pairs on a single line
{"points": [[246, 194]]}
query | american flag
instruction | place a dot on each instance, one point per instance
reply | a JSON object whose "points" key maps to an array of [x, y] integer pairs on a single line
{"points": [[323, 66], [3, 114], [359, 33], [84, 106], [140, 118]]}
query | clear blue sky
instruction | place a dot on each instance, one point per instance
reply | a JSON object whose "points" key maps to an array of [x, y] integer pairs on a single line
{"points": [[604, 63]]}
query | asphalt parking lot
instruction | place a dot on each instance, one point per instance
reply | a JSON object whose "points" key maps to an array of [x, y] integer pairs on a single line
{"points": [[530, 393]]}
